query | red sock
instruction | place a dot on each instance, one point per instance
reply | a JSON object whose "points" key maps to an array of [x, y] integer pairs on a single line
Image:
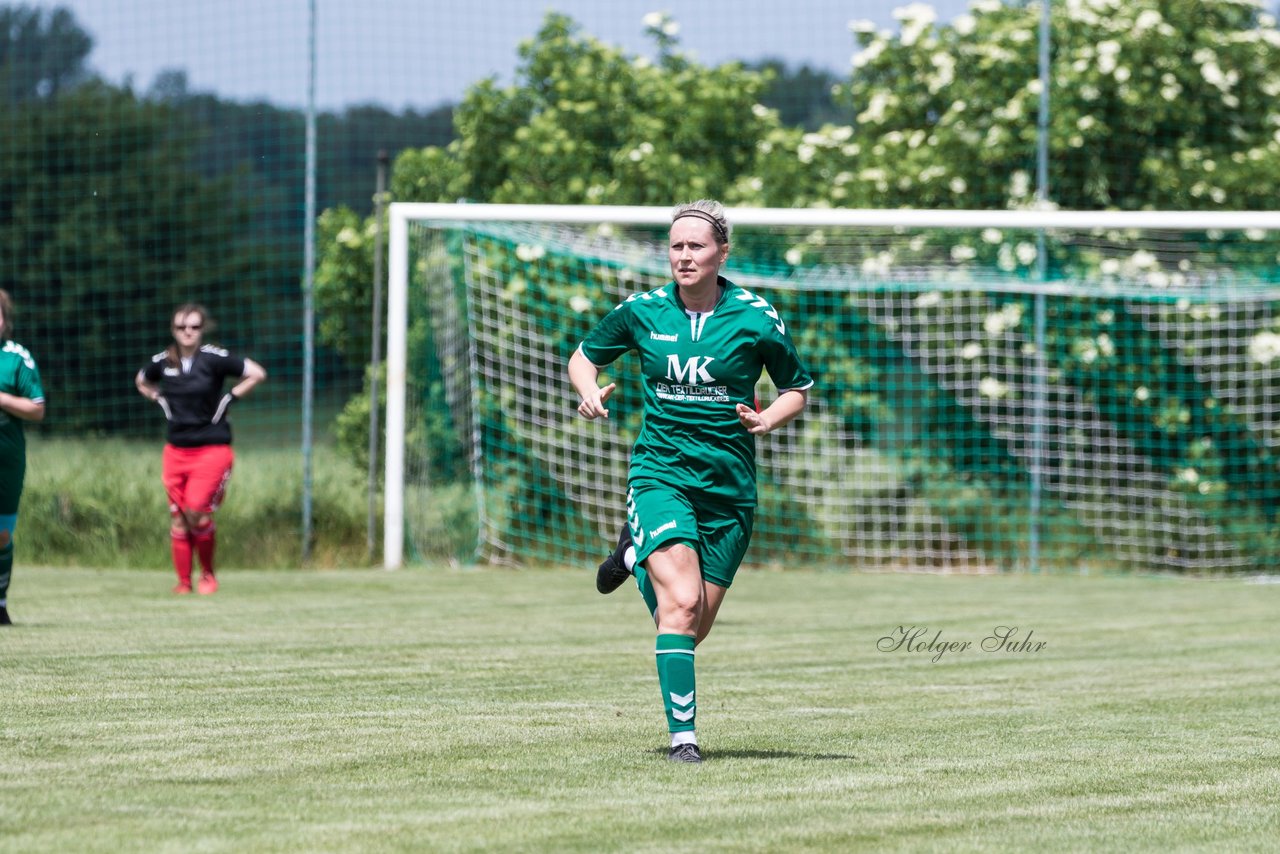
{"points": [[204, 542], [180, 544]]}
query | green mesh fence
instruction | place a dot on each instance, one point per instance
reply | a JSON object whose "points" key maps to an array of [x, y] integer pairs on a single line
{"points": [[154, 152], [1146, 409]]}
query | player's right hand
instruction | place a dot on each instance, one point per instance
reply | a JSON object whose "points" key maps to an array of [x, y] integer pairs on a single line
{"points": [[592, 405]]}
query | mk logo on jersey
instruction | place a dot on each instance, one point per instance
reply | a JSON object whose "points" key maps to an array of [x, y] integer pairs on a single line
{"points": [[693, 371]]}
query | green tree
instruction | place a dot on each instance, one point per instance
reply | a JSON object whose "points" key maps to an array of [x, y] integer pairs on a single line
{"points": [[260, 144], [101, 222], [587, 123], [804, 97], [42, 52], [343, 282], [353, 137], [258, 148], [583, 123]]}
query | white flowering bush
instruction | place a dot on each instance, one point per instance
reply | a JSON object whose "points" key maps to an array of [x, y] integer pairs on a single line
{"points": [[1153, 104]]}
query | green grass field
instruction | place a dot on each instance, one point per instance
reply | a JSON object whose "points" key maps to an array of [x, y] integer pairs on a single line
{"points": [[453, 710]]}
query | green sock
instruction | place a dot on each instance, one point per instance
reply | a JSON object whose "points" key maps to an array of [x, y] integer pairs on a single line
{"points": [[676, 679], [6, 569], [646, 589]]}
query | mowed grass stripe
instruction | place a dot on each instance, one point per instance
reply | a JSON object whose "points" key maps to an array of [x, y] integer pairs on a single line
{"points": [[455, 710]]}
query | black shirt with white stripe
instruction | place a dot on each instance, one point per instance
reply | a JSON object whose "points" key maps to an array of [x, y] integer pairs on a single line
{"points": [[192, 395]]}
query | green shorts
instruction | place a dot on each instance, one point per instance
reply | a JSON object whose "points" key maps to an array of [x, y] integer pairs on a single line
{"points": [[660, 514]]}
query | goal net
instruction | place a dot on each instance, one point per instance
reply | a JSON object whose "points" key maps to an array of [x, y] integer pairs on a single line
{"points": [[1067, 391]]}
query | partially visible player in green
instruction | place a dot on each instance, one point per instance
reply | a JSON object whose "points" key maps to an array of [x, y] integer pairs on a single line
{"points": [[703, 343], [21, 399]]}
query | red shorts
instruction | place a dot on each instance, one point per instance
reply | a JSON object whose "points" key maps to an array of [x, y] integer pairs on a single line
{"points": [[196, 478]]}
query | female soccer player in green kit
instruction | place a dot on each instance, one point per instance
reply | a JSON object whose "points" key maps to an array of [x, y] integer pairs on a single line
{"points": [[21, 399], [691, 490]]}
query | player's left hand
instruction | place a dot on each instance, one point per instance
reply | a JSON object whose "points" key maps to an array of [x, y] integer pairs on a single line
{"points": [[754, 421], [592, 406]]}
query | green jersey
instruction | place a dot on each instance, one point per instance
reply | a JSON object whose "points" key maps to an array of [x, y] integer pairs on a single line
{"points": [[697, 366], [18, 376]]}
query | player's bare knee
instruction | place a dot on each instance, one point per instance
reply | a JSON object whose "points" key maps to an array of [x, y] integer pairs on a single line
{"points": [[682, 613], [691, 607]]}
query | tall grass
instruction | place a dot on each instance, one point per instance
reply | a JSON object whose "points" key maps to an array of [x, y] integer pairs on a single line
{"points": [[100, 503]]}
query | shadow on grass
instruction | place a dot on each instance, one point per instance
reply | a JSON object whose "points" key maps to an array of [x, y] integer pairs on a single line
{"points": [[711, 754]]}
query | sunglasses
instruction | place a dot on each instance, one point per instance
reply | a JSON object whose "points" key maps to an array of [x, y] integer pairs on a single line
{"points": [[190, 327]]}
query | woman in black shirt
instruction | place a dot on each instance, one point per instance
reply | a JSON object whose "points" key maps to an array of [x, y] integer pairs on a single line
{"points": [[187, 381]]}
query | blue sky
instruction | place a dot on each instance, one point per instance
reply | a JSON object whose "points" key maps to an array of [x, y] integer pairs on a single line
{"points": [[420, 53]]}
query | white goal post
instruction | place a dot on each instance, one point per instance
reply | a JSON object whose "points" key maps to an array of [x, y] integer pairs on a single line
{"points": [[402, 216]]}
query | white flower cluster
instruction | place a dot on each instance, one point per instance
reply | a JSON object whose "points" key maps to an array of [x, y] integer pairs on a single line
{"points": [[916, 20], [1000, 321], [944, 64], [1150, 19], [876, 107], [1213, 74], [530, 252], [1089, 350], [1144, 266], [879, 264], [662, 22], [992, 388], [1019, 184], [640, 152], [1264, 347], [830, 137]]}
